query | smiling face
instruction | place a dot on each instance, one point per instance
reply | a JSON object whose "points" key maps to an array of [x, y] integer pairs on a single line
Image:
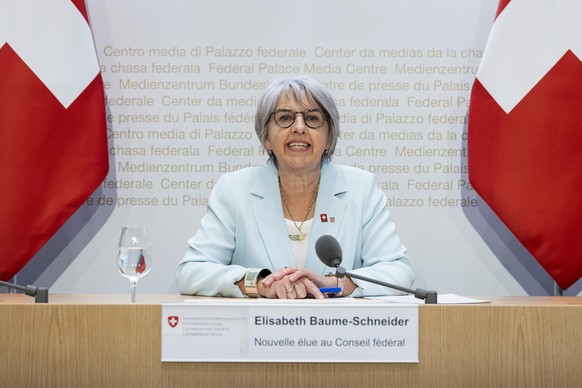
{"points": [[297, 148]]}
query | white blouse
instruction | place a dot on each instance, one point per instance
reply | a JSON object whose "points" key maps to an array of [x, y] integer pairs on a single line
{"points": [[299, 248]]}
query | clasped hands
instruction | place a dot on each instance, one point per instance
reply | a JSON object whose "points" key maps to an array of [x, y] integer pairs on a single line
{"points": [[294, 283]]}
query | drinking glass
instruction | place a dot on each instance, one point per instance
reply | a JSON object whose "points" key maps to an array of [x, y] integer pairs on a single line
{"points": [[134, 255]]}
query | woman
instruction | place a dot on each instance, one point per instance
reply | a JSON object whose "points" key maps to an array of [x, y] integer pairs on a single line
{"points": [[258, 235]]}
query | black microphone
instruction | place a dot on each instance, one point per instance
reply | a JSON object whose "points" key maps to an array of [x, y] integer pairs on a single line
{"points": [[329, 252], [40, 293]]}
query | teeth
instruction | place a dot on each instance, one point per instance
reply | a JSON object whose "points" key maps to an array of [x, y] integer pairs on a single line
{"points": [[298, 145]]}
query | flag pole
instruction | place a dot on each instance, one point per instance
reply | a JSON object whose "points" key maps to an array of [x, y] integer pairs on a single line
{"points": [[14, 280], [558, 290]]}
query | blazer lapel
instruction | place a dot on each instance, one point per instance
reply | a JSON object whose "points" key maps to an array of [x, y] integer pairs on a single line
{"points": [[268, 212], [329, 213]]}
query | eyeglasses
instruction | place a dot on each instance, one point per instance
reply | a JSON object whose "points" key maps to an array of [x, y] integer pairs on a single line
{"points": [[313, 118]]}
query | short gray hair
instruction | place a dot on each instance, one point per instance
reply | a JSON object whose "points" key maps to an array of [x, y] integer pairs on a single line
{"points": [[295, 87]]}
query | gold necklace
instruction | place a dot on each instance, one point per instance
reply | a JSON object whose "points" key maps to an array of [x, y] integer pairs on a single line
{"points": [[300, 236]]}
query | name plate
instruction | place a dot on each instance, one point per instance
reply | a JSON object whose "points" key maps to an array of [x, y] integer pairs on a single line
{"points": [[262, 331]]}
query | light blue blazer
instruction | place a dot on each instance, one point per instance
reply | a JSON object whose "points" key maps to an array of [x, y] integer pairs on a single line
{"points": [[244, 227]]}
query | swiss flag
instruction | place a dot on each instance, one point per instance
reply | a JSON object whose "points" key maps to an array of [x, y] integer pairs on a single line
{"points": [[53, 137], [525, 130]]}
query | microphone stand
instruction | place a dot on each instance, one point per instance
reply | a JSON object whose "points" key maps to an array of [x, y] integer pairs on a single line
{"points": [[40, 293], [429, 297]]}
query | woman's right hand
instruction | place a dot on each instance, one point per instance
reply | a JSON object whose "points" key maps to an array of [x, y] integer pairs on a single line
{"points": [[282, 285]]}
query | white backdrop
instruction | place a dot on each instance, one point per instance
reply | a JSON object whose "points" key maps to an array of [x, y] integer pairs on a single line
{"points": [[182, 80]]}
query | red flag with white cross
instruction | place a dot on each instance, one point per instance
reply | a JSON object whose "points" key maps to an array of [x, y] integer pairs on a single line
{"points": [[53, 137], [525, 130]]}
